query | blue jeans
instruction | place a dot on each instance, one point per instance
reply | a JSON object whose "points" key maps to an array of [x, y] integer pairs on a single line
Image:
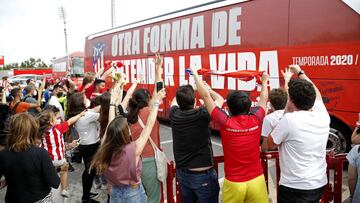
{"points": [[198, 187], [126, 194]]}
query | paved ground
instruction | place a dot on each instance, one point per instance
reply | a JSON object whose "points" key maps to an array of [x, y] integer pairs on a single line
{"points": [[166, 141]]}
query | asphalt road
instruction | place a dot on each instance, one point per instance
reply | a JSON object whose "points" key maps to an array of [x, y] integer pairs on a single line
{"points": [[75, 187]]}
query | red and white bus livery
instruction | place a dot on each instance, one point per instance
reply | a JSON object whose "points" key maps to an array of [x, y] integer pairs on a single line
{"points": [[322, 36]]}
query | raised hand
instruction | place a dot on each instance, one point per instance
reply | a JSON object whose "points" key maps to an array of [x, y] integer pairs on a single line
{"points": [[295, 69], [42, 86], [194, 70], [158, 60], [158, 67], [159, 95], [116, 92], [287, 74], [264, 77]]}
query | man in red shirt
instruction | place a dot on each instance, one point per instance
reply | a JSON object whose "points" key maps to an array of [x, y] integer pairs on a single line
{"points": [[240, 133], [95, 89]]}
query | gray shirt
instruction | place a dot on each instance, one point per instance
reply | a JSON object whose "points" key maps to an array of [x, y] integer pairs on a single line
{"points": [[88, 128], [354, 159], [32, 100]]}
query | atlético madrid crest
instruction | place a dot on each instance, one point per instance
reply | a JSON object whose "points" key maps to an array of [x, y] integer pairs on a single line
{"points": [[98, 56]]}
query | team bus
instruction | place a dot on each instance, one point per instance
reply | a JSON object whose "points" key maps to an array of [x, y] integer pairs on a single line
{"points": [[321, 36], [69, 66]]}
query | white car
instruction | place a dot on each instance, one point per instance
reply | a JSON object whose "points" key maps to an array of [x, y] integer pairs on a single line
{"points": [[21, 79]]}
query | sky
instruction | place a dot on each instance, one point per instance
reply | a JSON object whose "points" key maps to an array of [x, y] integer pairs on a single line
{"points": [[33, 28]]}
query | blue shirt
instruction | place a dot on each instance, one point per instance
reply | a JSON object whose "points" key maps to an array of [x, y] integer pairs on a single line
{"points": [[47, 96], [354, 159]]}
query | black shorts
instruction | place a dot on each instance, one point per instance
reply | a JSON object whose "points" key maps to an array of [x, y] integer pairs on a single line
{"points": [[287, 195]]}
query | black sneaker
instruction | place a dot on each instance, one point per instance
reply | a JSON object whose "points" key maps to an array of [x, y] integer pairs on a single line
{"points": [[94, 195], [71, 168], [89, 201]]}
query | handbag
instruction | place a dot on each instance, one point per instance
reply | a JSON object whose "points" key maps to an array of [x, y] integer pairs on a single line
{"points": [[160, 158]]}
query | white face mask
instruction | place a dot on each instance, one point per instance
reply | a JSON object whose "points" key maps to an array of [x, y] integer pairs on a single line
{"points": [[87, 103], [58, 121]]}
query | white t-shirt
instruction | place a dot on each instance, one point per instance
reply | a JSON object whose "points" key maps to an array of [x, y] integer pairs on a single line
{"points": [[54, 101], [302, 136], [88, 128], [270, 122]]}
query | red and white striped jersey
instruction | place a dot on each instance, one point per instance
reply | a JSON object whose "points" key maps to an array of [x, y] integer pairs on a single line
{"points": [[53, 141]]}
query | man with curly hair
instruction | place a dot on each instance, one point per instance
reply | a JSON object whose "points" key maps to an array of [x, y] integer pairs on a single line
{"points": [[301, 136]]}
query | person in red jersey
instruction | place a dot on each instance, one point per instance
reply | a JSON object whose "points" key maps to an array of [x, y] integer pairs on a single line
{"points": [[52, 140], [240, 134]]}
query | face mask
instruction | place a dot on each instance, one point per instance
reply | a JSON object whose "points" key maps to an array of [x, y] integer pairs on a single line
{"points": [[60, 94], [102, 90], [58, 121], [87, 103]]}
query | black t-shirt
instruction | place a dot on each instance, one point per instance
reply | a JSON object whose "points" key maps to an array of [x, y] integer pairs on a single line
{"points": [[29, 174], [191, 136], [4, 110]]}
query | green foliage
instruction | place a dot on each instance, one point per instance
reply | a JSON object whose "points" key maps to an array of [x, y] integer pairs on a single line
{"points": [[12, 65], [33, 63]]}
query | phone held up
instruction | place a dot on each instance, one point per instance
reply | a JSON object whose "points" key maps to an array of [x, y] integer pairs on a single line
{"points": [[159, 86]]}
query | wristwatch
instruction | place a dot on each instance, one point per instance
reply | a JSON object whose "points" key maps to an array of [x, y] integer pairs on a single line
{"points": [[301, 72]]}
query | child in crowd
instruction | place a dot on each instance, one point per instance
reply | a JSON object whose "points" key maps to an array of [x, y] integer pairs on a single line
{"points": [[52, 132]]}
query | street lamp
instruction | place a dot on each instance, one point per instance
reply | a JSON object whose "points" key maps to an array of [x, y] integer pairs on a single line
{"points": [[62, 15], [113, 17]]}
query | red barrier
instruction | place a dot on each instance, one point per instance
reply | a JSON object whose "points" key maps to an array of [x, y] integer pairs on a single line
{"points": [[333, 191], [32, 71]]}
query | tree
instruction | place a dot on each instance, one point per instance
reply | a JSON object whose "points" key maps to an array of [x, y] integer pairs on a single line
{"points": [[12, 65], [33, 63]]}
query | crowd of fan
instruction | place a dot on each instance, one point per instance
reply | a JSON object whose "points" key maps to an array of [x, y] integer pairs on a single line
{"points": [[116, 133]]}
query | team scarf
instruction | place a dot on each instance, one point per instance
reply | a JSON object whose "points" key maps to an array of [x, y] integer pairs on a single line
{"points": [[244, 75]]}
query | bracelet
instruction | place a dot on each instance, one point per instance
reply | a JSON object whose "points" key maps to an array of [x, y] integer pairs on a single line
{"points": [[301, 72], [156, 104], [112, 104]]}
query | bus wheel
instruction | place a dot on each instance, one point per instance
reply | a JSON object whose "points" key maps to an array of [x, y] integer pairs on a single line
{"points": [[339, 138]]}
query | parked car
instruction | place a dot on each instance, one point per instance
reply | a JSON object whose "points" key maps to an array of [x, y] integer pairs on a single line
{"points": [[21, 79]]}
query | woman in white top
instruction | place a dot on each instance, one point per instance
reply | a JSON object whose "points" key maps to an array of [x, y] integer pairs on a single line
{"points": [[88, 130]]}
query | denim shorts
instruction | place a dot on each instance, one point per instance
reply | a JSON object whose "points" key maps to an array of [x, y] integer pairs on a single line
{"points": [[128, 194], [202, 187]]}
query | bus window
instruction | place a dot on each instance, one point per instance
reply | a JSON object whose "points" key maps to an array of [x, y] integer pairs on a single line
{"points": [[78, 67]]}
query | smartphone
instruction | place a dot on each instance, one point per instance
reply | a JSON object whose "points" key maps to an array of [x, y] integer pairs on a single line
{"points": [[159, 86]]}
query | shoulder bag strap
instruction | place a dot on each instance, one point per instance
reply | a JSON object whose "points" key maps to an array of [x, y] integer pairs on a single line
{"points": [[151, 141]]}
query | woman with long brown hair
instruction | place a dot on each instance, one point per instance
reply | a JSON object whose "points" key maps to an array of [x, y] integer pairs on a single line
{"points": [[88, 130], [119, 157], [104, 112], [138, 111], [28, 170]]}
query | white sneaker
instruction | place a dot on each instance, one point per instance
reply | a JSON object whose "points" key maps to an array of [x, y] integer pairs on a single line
{"points": [[65, 193]]}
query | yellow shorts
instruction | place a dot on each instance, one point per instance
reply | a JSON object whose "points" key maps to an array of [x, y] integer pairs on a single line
{"points": [[252, 191]]}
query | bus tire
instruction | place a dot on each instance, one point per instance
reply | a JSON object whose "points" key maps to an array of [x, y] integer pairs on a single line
{"points": [[339, 137]]}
